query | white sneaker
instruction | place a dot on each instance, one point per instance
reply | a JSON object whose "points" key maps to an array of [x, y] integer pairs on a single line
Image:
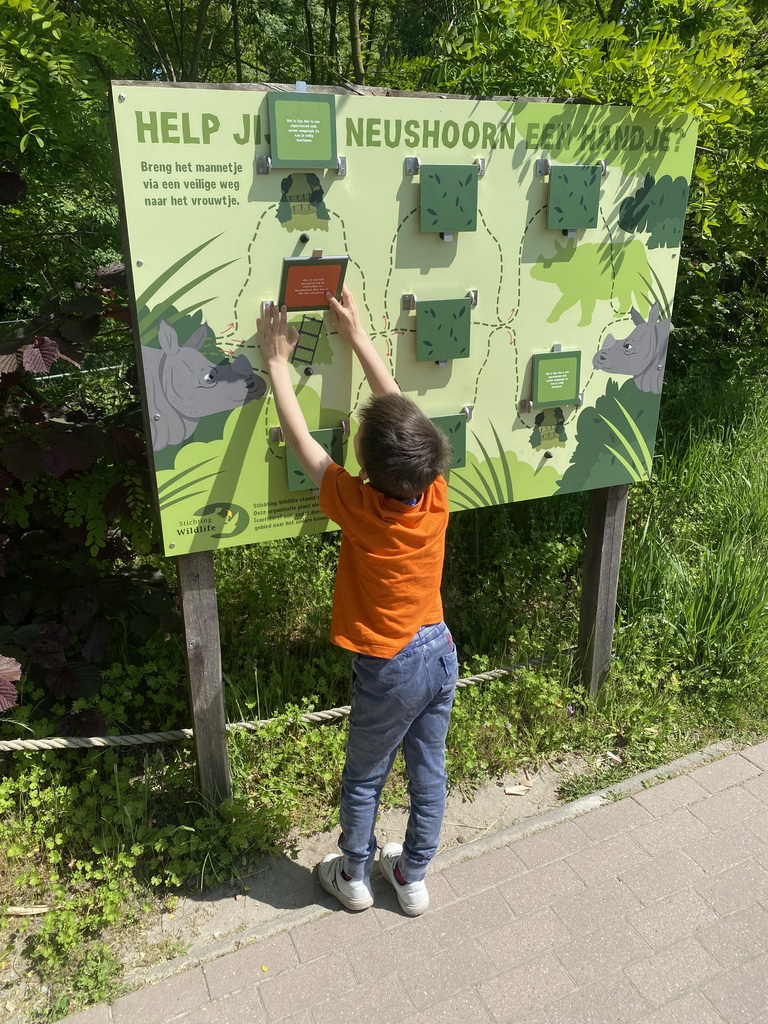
{"points": [[412, 897], [354, 894]]}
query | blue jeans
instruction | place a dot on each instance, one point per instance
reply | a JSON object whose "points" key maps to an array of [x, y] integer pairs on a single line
{"points": [[408, 699]]}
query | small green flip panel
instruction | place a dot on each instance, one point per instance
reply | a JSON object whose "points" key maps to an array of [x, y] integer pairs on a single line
{"points": [[442, 330], [331, 440], [455, 429], [574, 197], [448, 198]]}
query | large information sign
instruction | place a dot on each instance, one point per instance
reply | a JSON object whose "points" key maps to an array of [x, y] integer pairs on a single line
{"points": [[514, 262]]}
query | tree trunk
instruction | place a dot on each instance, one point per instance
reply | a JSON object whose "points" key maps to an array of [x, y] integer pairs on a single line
{"points": [[310, 43], [355, 41]]}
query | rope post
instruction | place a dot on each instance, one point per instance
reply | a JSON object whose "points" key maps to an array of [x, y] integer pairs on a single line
{"points": [[602, 561], [197, 584]]}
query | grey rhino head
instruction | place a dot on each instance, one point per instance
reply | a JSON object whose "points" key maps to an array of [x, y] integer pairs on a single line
{"points": [[183, 385], [641, 354]]}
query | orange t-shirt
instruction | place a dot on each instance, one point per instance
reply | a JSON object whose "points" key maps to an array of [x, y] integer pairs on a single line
{"points": [[390, 565]]}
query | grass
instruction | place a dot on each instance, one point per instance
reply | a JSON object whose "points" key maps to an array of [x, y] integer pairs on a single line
{"points": [[99, 837]]}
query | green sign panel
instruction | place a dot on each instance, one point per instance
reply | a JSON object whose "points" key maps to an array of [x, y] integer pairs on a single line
{"points": [[556, 378], [553, 248], [303, 130]]}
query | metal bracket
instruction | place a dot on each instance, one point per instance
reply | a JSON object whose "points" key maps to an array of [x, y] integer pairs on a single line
{"points": [[526, 405], [276, 434], [442, 363], [266, 307], [409, 303], [301, 87], [263, 164], [580, 402], [341, 167], [412, 165], [603, 167], [467, 410], [557, 348], [345, 428], [480, 161], [472, 296], [543, 167], [447, 236]]}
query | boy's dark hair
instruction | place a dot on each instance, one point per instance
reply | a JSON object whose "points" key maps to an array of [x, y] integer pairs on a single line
{"points": [[402, 451]]}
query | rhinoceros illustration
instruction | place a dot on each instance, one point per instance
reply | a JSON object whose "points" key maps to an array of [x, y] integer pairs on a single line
{"points": [[641, 354], [183, 386]]}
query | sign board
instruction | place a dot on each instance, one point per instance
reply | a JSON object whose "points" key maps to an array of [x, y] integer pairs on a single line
{"points": [[514, 262]]}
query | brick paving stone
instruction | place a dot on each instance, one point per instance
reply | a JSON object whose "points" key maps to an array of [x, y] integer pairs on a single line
{"points": [[392, 950], [470, 916], [758, 825], [551, 844], [730, 771], [461, 1008], [692, 1008], [758, 787], [457, 967], [307, 984], [593, 908], [670, 972], [160, 1002], [607, 858], [526, 988], [673, 918], [611, 1000], [611, 819], [383, 1000], [671, 795], [485, 871], [669, 832], [726, 808], [341, 927], [735, 888], [738, 995], [662, 877], [738, 937], [241, 1008], [757, 755], [524, 938], [607, 950], [386, 910], [726, 848], [245, 967], [536, 888]]}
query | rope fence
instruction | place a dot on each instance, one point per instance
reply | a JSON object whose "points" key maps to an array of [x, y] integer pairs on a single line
{"points": [[177, 735]]}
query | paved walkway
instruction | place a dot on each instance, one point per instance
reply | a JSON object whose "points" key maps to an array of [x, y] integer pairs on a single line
{"points": [[651, 909]]}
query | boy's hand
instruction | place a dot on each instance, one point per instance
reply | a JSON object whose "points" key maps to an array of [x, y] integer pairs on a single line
{"points": [[344, 315], [275, 341]]}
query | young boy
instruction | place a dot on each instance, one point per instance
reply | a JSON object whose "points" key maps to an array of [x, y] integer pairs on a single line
{"points": [[386, 609]]}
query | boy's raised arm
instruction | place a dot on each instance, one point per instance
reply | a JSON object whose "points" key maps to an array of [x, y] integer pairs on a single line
{"points": [[276, 346], [346, 321]]}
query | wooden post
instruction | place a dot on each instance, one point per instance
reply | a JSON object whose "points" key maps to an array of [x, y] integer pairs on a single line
{"points": [[602, 560], [197, 584]]}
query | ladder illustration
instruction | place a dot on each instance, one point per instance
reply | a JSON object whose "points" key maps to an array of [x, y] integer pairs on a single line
{"points": [[309, 335]]}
